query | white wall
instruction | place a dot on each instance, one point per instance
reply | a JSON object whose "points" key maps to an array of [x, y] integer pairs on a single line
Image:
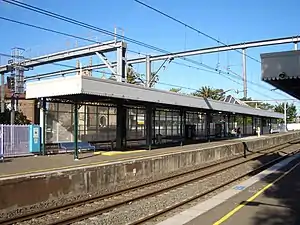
{"points": [[293, 126]]}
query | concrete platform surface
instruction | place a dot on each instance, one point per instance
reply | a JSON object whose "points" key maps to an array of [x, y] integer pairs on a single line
{"points": [[40, 164], [269, 198]]}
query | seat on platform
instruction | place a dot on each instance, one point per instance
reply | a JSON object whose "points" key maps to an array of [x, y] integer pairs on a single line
{"points": [[81, 146]]}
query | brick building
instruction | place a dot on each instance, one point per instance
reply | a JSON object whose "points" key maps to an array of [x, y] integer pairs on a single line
{"points": [[26, 106]]}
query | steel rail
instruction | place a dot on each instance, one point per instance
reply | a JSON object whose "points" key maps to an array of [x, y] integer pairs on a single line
{"points": [[250, 173], [95, 212], [120, 192]]}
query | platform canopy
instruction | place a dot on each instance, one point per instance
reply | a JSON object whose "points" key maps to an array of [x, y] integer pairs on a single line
{"points": [[282, 70], [86, 88]]}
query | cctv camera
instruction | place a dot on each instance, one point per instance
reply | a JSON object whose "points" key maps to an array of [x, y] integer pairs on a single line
{"points": [[282, 75]]}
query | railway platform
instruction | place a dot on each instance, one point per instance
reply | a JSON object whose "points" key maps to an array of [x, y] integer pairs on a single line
{"points": [[12, 167], [58, 178], [269, 198]]}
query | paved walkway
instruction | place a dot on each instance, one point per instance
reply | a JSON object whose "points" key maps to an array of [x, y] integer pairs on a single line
{"points": [[39, 164]]}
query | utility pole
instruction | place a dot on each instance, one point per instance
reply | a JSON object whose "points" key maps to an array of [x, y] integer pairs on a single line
{"points": [[244, 73], [148, 71]]}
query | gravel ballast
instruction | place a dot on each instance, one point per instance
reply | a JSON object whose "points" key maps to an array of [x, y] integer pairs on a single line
{"points": [[140, 208]]}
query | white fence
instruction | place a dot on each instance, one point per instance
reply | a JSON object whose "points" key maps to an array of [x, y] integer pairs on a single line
{"points": [[14, 140]]}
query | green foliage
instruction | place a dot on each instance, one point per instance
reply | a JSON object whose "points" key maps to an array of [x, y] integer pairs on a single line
{"points": [[208, 92], [20, 118], [137, 78], [291, 111], [176, 90], [132, 76]]}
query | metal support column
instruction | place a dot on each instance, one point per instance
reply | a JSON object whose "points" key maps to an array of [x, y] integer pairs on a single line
{"points": [[224, 123], [296, 46], [244, 73], [148, 71], [16, 103], [2, 93], [183, 125], [208, 121], [75, 131], [253, 125], [244, 124], [12, 112], [228, 125], [285, 120], [234, 121], [121, 64], [262, 125], [43, 124], [121, 125], [149, 120]]}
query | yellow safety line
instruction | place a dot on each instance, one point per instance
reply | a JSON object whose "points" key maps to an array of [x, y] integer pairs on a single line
{"points": [[232, 212], [121, 153]]}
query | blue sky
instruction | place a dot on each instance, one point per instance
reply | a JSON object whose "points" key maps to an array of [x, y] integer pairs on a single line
{"points": [[231, 21]]}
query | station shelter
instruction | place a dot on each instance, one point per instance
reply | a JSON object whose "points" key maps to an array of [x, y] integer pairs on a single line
{"points": [[98, 111]]}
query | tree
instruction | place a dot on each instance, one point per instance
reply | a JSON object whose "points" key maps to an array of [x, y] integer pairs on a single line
{"points": [[291, 111], [132, 76], [137, 78], [176, 90], [266, 106], [20, 118], [208, 92]]}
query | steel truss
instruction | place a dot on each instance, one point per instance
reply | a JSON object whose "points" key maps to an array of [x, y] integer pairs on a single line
{"points": [[171, 56], [98, 49], [245, 45]]}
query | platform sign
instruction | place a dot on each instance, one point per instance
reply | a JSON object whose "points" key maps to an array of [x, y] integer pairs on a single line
{"points": [[34, 138]]}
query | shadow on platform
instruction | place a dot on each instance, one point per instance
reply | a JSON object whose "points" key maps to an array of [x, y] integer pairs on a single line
{"points": [[279, 204]]}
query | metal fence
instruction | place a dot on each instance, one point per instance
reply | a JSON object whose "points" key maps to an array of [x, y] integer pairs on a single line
{"points": [[14, 140]]}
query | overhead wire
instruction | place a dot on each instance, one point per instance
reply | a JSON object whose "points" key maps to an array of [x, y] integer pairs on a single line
{"points": [[196, 30], [55, 31], [167, 84], [192, 28], [193, 67], [184, 87], [85, 39], [101, 71], [82, 24], [212, 70], [209, 68], [57, 16]]}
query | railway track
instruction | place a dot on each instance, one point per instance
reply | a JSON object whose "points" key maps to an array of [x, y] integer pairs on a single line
{"points": [[179, 204], [117, 199]]}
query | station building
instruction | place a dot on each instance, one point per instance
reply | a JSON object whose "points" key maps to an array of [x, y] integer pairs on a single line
{"points": [[91, 109]]}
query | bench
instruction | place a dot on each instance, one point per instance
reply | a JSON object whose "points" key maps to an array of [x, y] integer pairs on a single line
{"points": [[273, 131], [81, 146]]}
